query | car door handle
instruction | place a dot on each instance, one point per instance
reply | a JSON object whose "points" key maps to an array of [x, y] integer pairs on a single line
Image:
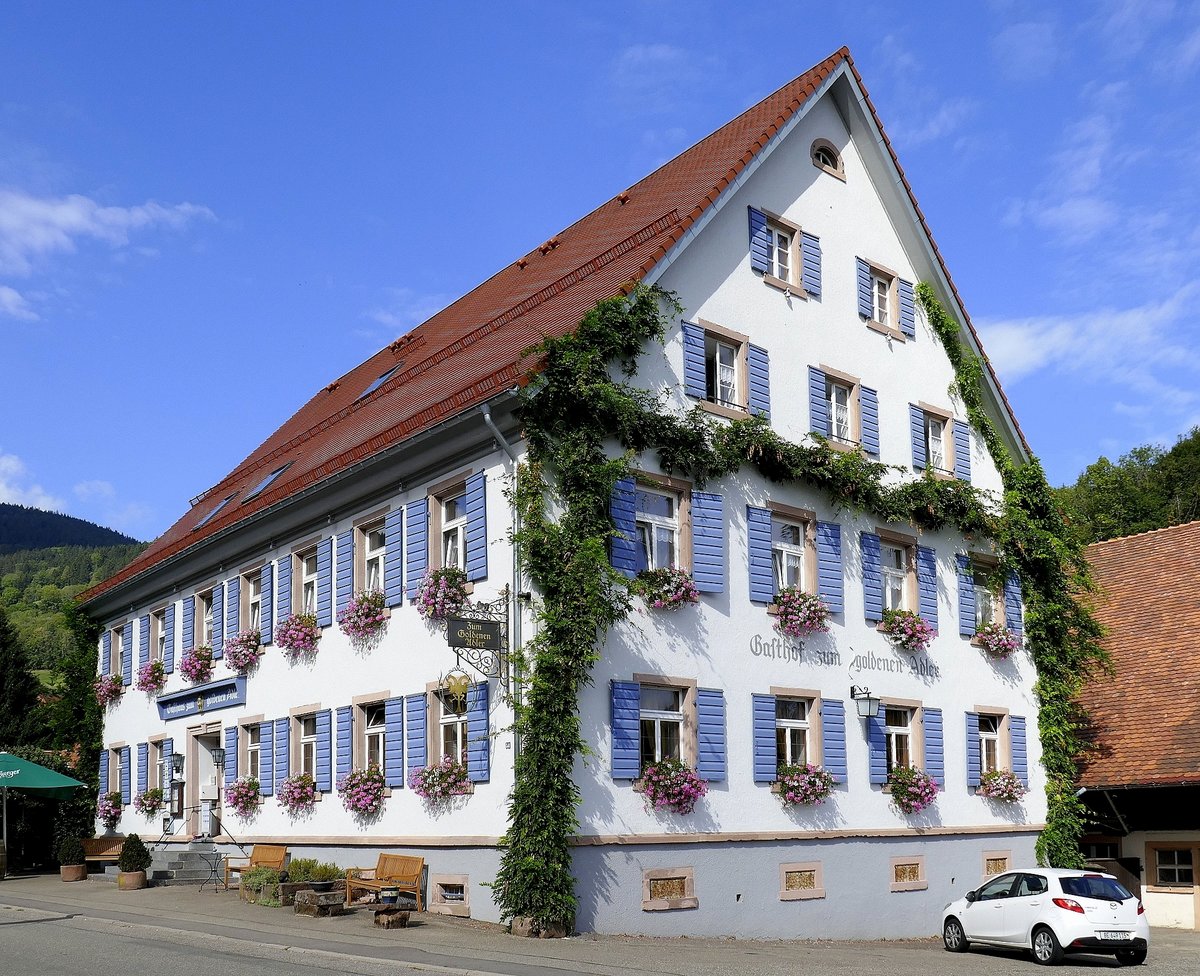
{"points": [[1035, 903]]}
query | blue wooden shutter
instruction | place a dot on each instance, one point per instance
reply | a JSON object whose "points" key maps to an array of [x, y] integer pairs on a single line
{"points": [[416, 708], [218, 621], [282, 756], [266, 758], [868, 413], [144, 640], [325, 583], [916, 426], [908, 308], [760, 242], [104, 760], [393, 742], [877, 749], [694, 382], [233, 606], [818, 405], [127, 657], [626, 725], [810, 261], [105, 652], [872, 575], [169, 643], [143, 762], [758, 551], [416, 540], [966, 596], [762, 715], [477, 534], [935, 753], [962, 451], [623, 509], [866, 301], [345, 741], [927, 584], [830, 586], [479, 745], [126, 791], [708, 541], [710, 734], [1012, 604], [758, 363], [833, 738], [974, 759], [345, 569], [266, 616], [324, 775], [231, 755], [1020, 753], [189, 623], [283, 594], [393, 557]]}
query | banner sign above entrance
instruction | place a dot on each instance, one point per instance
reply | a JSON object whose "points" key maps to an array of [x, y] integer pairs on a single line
{"points": [[225, 693]]}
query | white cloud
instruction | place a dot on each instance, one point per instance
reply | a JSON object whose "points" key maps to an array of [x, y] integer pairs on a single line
{"points": [[34, 227], [936, 123], [92, 490], [16, 488], [651, 78], [1026, 51], [404, 308], [14, 305]]}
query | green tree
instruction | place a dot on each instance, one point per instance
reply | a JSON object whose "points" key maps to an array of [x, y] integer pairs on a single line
{"points": [[20, 710]]}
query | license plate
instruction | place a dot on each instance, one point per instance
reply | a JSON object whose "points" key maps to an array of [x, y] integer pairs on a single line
{"points": [[1115, 936]]}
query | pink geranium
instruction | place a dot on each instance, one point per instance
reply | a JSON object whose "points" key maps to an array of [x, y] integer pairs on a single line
{"points": [[670, 785]]}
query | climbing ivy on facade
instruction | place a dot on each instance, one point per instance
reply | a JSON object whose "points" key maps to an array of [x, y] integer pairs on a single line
{"points": [[579, 402]]}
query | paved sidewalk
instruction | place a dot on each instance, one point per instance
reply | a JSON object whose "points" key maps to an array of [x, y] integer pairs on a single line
{"points": [[442, 943]]}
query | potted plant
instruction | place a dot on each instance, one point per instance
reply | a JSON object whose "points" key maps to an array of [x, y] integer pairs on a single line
{"points": [[365, 619], [133, 863], [260, 886], [108, 689], [665, 589], [1002, 785], [806, 785], [440, 782], [912, 789], [800, 613], [243, 651], [297, 794], [149, 803], [670, 785], [362, 791], [108, 810], [151, 677], [196, 664], [443, 592], [323, 876], [907, 630], [996, 640], [72, 864], [299, 635], [243, 796]]}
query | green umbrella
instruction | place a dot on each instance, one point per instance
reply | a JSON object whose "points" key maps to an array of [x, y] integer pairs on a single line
{"points": [[20, 774]]}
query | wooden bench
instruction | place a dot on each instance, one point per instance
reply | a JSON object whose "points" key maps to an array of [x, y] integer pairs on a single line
{"points": [[102, 850], [272, 856], [400, 871]]}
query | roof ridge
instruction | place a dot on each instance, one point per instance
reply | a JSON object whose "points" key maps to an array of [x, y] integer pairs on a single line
{"points": [[1139, 535]]}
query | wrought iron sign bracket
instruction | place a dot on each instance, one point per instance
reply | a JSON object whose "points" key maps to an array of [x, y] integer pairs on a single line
{"points": [[478, 634]]}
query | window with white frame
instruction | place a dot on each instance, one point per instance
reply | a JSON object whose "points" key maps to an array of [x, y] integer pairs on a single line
{"points": [[118, 650], [375, 733], [124, 757], [881, 297], [895, 576], [374, 545], [308, 580], [661, 714], [158, 635], [782, 255], [308, 744], [791, 731], [787, 553], [1174, 866], [657, 521], [898, 735], [454, 529], [839, 399], [986, 600], [937, 444], [156, 768], [453, 726], [989, 743], [252, 587], [721, 369], [253, 736], [204, 612], [825, 156]]}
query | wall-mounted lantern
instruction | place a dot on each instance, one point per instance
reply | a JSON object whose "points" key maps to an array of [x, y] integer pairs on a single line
{"points": [[868, 704]]}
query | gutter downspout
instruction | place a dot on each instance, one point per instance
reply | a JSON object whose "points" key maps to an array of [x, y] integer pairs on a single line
{"points": [[515, 607]]}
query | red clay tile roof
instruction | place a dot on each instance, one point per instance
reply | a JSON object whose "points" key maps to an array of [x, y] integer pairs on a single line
{"points": [[471, 350], [1146, 716]]}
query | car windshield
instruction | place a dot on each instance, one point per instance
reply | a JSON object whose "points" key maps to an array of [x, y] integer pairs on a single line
{"points": [[1094, 886]]}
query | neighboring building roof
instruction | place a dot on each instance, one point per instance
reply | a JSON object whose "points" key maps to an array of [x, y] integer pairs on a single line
{"points": [[1146, 715], [471, 350]]}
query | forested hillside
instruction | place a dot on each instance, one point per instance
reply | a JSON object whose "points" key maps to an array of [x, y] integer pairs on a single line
{"points": [[1151, 487], [32, 528]]}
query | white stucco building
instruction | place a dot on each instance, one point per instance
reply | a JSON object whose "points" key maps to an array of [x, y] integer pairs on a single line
{"points": [[792, 242]]}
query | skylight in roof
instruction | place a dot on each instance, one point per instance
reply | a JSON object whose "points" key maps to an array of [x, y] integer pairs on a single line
{"points": [[376, 384], [213, 514], [263, 485]]}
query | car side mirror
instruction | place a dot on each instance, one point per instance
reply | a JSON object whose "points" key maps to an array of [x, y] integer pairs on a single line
{"points": [[972, 895]]}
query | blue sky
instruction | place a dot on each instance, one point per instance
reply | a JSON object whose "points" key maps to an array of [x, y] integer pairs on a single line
{"points": [[209, 210]]}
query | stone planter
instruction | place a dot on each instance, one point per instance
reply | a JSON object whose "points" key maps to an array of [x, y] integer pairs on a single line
{"points": [[525, 928], [73, 872], [254, 896], [130, 880], [289, 889]]}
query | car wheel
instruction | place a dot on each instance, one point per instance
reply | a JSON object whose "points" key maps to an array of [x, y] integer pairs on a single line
{"points": [[1046, 950], [1131, 957], [953, 936]]}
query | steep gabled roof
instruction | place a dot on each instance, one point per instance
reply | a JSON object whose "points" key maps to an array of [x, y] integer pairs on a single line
{"points": [[471, 350], [1146, 716]]}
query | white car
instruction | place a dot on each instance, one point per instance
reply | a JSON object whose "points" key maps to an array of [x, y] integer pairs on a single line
{"points": [[1050, 911]]}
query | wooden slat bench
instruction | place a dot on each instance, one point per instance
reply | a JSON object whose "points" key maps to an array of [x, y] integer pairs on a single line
{"points": [[102, 850], [400, 871], [261, 856]]}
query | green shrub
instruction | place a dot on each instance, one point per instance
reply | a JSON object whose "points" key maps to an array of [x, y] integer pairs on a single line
{"points": [[134, 856], [70, 851], [300, 869], [325, 871]]}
